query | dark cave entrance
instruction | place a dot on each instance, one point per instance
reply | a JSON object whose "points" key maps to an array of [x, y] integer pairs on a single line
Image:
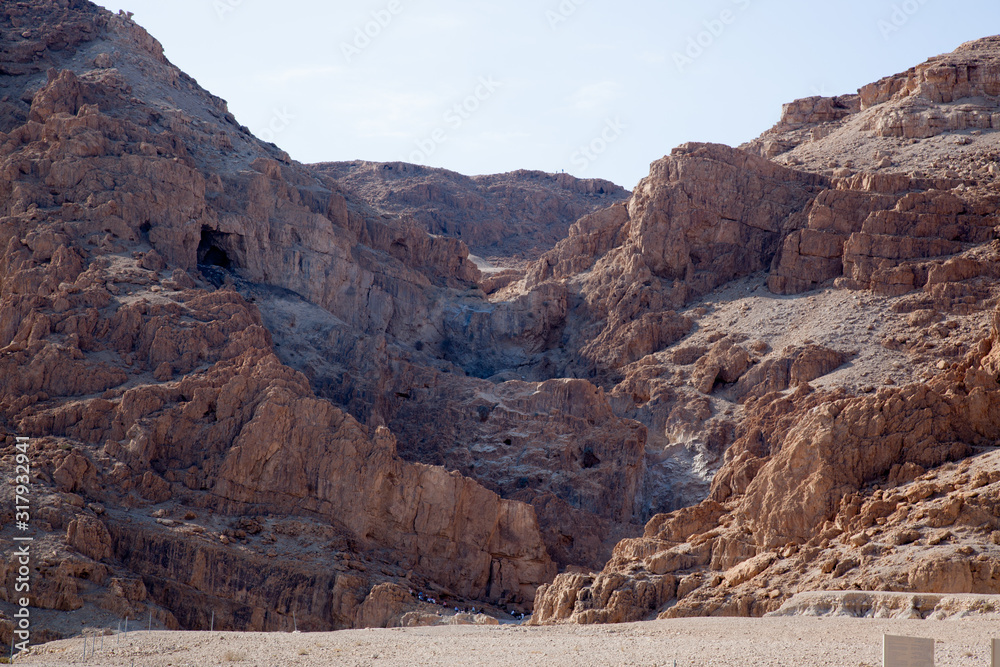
{"points": [[215, 248], [589, 459]]}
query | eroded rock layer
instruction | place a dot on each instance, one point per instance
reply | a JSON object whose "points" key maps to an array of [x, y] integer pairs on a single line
{"points": [[833, 482], [256, 391], [171, 448], [509, 218]]}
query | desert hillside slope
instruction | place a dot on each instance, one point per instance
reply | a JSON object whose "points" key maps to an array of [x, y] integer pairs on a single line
{"points": [[506, 218], [174, 455], [278, 393], [880, 475]]}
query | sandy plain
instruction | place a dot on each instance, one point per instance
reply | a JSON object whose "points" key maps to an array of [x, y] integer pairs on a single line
{"points": [[697, 642]]}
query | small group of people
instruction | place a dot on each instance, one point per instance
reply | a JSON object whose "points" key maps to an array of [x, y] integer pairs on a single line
{"points": [[429, 600], [520, 616], [423, 598]]}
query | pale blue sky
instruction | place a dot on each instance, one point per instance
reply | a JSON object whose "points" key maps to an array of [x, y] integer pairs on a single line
{"points": [[536, 81]]}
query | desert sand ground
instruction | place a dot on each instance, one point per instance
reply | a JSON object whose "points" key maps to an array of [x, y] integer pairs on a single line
{"points": [[715, 642]]}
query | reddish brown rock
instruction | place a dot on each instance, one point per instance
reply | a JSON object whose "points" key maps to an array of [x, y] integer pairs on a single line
{"points": [[804, 498], [726, 362], [90, 537], [144, 390], [225, 358], [517, 215], [791, 367], [385, 607]]}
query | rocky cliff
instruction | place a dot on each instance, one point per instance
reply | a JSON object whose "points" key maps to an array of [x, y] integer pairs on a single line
{"points": [[875, 475], [280, 392], [505, 218], [165, 431]]}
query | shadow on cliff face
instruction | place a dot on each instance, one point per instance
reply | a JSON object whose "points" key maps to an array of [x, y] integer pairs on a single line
{"points": [[217, 253], [218, 249], [210, 252]]}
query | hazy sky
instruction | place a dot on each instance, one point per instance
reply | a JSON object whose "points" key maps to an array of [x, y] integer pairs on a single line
{"points": [[593, 87]]}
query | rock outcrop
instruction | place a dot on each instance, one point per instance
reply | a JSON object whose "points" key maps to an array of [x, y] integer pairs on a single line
{"points": [[509, 218], [806, 510], [842, 485], [148, 385], [263, 389], [858, 604]]}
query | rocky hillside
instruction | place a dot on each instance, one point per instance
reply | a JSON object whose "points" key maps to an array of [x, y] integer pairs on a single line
{"points": [[881, 474], [264, 390], [162, 420], [504, 218]]}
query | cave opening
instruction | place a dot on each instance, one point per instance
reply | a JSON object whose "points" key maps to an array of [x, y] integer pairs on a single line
{"points": [[589, 459], [212, 249]]}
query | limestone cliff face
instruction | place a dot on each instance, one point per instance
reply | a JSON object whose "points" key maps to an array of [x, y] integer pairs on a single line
{"points": [[509, 217], [798, 504], [954, 92], [846, 485], [143, 384], [591, 309], [704, 216], [257, 390]]}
